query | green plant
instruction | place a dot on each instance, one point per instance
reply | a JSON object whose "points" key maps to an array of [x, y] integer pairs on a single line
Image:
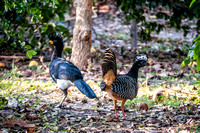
{"points": [[194, 51], [194, 56], [24, 25], [3, 101], [172, 11]]}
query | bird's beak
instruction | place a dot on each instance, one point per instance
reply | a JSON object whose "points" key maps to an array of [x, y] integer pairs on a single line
{"points": [[51, 42]]}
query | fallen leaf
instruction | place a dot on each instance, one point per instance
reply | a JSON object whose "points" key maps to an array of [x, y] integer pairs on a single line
{"points": [[30, 130], [18, 122], [104, 9], [142, 106], [154, 121], [84, 100], [92, 119], [109, 117], [33, 63], [190, 123], [156, 67], [2, 64], [63, 120], [184, 107], [44, 106], [194, 88], [27, 73], [32, 117]]}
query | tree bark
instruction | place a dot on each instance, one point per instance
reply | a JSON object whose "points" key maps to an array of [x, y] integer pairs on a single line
{"points": [[134, 36], [82, 33]]}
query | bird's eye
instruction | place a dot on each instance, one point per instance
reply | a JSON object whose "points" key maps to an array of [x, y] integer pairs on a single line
{"points": [[51, 42]]}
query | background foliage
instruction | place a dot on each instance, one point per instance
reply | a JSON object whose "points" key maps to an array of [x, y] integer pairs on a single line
{"points": [[25, 24], [174, 12], [194, 52]]}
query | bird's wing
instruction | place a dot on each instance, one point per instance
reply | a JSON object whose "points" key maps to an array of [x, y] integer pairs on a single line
{"points": [[63, 69], [125, 86]]}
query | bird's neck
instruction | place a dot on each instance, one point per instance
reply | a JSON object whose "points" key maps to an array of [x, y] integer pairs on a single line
{"points": [[57, 52], [134, 71]]}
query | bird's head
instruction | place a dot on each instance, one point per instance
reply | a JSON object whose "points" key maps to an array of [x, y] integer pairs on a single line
{"points": [[55, 39], [141, 60]]}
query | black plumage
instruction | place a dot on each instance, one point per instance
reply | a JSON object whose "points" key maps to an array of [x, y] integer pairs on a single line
{"points": [[64, 73]]}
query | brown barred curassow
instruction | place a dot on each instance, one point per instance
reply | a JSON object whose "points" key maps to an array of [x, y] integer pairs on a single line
{"points": [[120, 87], [64, 73]]}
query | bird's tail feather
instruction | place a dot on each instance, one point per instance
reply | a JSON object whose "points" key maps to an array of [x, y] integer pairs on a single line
{"points": [[109, 62], [85, 88], [109, 68]]}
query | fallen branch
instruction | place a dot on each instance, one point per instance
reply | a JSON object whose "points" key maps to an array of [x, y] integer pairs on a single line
{"points": [[24, 57]]}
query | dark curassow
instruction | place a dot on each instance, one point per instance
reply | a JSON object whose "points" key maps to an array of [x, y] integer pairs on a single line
{"points": [[120, 87], [64, 73]]}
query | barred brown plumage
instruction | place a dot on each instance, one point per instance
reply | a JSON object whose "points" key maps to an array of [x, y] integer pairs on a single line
{"points": [[109, 69], [109, 62], [120, 87]]}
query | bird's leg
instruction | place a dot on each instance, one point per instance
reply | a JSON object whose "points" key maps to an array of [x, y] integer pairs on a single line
{"points": [[61, 103], [122, 108], [115, 105]]}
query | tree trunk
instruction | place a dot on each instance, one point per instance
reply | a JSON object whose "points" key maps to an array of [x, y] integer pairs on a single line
{"points": [[134, 36], [82, 33]]}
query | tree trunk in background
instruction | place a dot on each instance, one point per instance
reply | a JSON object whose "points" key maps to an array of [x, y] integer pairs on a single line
{"points": [[134, 36], [82, 33]]}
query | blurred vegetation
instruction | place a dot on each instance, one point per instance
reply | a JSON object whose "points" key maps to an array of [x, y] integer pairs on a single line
{"points": [[173, 11], [194, 52], [25, 24]]}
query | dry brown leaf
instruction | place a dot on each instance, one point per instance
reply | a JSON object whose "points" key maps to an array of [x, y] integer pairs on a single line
{"points": [[194, 88], [30, 130], [109, 117], [104, 9], [27, 73], [154, 121], [84, 100], [18, 122], [32, 117], [142, 106], [63, 120], [92, 119], [44, 106], [2, 64]]}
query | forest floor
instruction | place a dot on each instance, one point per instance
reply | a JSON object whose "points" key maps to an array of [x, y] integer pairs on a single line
{"points": [[28, 95]]}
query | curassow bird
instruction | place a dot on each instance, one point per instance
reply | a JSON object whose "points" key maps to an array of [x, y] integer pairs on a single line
{"points": [[64, 73], [120, 87]]}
